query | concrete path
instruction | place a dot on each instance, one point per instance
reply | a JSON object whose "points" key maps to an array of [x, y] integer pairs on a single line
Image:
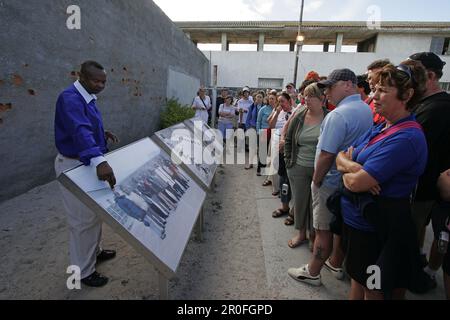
{"points": [[244, 254]]}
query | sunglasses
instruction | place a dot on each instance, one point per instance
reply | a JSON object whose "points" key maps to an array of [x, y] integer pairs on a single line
{"points": [[405, 69]]}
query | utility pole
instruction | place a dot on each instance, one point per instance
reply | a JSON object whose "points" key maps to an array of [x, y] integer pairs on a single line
{"points": [[300, 38]]}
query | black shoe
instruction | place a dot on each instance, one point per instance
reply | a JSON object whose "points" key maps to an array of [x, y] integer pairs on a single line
{"points": [[95, 280], [105, 255], [423, 283]]}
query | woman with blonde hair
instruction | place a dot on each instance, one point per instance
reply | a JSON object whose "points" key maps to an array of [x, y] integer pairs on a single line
{"points": [[299, 151]]}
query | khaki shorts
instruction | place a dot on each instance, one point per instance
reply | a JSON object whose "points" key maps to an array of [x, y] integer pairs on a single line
{"points": [[321, 215]]}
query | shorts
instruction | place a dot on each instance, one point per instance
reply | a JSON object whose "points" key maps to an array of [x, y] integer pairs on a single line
{"points": [[446, 263], [421, 213], [439, 218], [322, 217]]}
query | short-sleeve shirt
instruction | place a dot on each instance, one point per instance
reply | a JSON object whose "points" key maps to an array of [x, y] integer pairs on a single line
{"points": [[395, 162], [245, 105], [340, 129], [204, 106], [263, 115], [433, 114], [226, 109], [283, 117]]}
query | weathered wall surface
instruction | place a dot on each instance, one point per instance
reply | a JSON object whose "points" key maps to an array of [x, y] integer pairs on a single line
{"points": [[134, 40]]}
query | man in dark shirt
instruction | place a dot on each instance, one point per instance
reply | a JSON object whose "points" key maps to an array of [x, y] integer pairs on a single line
{"points": [[81, 139], [433, 113]]}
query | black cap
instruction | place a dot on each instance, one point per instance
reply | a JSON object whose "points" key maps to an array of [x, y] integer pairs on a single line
{"points": [[429, 60], [290, 84], [338, 75]]}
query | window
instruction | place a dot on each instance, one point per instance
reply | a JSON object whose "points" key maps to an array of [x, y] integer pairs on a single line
{"points": [[209, 46], [445, 86], [367, 45], [273, 83], [243, 47], [276, 47], [446, 50], [440, 45]]}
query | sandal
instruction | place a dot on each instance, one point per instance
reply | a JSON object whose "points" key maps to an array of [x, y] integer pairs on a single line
{"points": [[296, 244], [279, 212], [289, 220], [275, 193], [267, 183]]}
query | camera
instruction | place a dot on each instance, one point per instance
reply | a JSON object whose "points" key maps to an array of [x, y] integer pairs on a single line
{"points": [[284, 189]]}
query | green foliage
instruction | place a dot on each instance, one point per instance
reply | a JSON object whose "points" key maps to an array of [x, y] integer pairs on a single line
{"points": [[175, 113]]}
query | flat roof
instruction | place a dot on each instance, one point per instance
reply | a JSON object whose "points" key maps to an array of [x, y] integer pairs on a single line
{"points": [[283, 32]]}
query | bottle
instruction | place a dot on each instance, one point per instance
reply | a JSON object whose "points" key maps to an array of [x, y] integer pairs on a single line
{"points": [[443, 242]]}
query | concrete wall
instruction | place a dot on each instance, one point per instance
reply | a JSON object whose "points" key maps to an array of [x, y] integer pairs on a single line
{"points": [[238, 68], [135, 41]]}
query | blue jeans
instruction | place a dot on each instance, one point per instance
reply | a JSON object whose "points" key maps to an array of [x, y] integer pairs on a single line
{"points": [[223, 126]]}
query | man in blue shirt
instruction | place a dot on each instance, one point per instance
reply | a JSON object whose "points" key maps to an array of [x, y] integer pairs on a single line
{"points": [[81, 139], [351, 119]]}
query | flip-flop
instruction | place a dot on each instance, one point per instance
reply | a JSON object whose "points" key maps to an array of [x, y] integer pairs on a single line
{"points": [[289, 220], [279, 212], [296, 244], [267, 183]]}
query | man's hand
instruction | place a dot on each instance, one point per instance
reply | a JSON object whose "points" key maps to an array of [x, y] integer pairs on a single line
{"points": [[105, 173], [111, 136]]}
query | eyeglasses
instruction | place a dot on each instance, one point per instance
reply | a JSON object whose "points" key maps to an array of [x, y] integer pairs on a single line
{"points": [[406, 69]]}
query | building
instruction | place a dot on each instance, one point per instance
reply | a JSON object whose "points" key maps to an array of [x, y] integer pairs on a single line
{"points": [[326, 46]]}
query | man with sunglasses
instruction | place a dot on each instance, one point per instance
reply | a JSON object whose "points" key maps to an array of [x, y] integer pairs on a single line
{"points": [[433, 114]]}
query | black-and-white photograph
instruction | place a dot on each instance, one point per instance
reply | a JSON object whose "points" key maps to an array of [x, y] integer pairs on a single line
{"points": [[183, 146], [154, 200], [210, 137]]}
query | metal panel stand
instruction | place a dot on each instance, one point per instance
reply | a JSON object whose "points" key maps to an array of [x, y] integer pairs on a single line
{"points": [[199, 227], [163, 287]]}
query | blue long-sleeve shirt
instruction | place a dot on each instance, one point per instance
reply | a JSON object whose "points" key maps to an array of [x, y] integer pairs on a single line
{"points": [[79, 131], [263, 115], [252, 117]]}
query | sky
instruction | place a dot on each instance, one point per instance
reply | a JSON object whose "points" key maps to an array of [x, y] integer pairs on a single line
{"points": [[315, 10]]}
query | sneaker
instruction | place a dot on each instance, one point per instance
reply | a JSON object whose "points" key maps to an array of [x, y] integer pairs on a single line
{"points": [[338, 273], [302, 274]]}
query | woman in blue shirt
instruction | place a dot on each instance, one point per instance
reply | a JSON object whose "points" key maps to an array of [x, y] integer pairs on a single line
{"points": [[263, 128], [251, 123], [380, 173]]}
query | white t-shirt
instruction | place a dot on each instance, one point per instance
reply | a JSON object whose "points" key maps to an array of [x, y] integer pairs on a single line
{"points": [[201, 112], [283, 117], [244, 105], [229, 110]]}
